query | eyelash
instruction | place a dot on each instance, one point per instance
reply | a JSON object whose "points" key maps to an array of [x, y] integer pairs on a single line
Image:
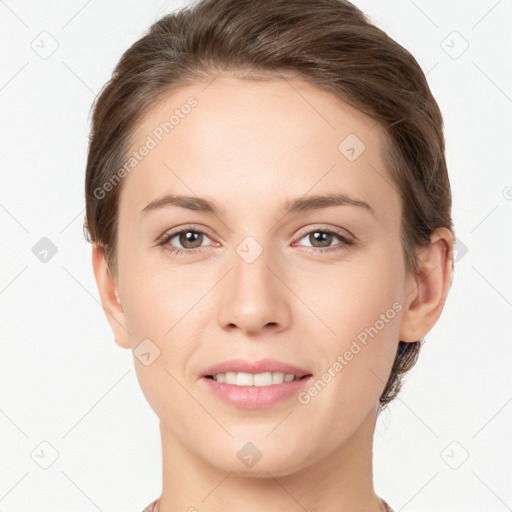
{"points": [[346, 240]]}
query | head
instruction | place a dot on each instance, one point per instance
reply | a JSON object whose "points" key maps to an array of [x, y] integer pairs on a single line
{"points": [[256, 106]]}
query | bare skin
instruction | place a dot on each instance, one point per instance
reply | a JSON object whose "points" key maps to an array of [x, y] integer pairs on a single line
{"points": [[251, 146]]}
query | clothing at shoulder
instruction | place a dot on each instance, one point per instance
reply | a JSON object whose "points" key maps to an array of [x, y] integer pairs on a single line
{"points": [[150, 507], [388, 508]]}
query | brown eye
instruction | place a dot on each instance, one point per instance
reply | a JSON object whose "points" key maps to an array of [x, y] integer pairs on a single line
{"points": [[190, 239], [184, 241], [322, 238]]}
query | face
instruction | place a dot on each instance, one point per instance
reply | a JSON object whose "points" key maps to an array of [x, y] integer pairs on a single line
{"points": [[263, 272]]}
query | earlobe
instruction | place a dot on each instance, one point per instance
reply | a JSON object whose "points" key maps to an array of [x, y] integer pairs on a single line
{"points": [[110, 298], [426, 291]]}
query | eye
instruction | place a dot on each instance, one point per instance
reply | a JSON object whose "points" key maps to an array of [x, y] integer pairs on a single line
{"points": [[190, 239], [321, 239]]}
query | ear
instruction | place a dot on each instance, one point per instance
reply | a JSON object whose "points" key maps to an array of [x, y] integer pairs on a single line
{"points": [[110, 297], [426, 291]]}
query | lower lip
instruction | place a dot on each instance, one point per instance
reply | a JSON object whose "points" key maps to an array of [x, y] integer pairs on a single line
{"points": [[255, 397]]}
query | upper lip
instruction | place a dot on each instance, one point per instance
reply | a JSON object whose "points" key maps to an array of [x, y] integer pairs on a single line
{"points": [[260, 366]]}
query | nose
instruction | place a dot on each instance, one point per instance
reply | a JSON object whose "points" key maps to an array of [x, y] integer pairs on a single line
{"points": [[254, 296]]}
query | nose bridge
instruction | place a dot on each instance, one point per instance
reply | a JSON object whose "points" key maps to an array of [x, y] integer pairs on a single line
{"points": [[251, 264], [253, 296]]}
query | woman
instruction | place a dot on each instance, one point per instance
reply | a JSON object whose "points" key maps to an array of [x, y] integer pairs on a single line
{"points": [[270, 212]]}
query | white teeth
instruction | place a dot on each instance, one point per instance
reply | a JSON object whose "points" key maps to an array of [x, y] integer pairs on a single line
{"points": [[277, 377], [244, 379], [263, 379], [258, 379]]}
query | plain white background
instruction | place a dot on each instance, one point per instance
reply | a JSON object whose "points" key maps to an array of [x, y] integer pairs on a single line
{"points": [[444, 444]]}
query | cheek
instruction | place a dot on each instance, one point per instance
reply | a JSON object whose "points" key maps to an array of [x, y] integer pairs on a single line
{"points": [[362, 307], [364, 312], [152, 293], [351, 297], [158, 308]]}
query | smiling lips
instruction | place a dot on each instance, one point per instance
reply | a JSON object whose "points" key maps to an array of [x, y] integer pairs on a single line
{"points": [[240, 372], [258, 379], [254, 384]]}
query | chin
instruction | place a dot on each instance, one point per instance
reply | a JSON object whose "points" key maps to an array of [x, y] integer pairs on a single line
{"points": [[248, 462]]}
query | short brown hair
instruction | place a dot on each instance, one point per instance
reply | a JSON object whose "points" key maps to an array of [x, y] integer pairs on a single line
{"points": [[328, 43]]}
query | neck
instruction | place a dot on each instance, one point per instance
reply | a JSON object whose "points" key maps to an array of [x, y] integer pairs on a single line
{"points": [[343, 480]]}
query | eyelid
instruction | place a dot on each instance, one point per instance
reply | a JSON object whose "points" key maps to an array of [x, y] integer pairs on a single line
{"points": [[347, 239], [343, 233], [304, 231], [199, 228]]}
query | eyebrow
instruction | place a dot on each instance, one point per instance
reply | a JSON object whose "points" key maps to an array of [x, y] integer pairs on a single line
{"points": [[300, 204]]}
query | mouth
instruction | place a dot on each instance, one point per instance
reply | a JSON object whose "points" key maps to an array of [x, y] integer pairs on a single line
{"points": [[264, 372], [246, 384], [256, 379]]}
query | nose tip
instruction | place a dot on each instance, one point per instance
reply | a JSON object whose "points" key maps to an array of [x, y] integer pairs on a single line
{"points": [[251, 321]]}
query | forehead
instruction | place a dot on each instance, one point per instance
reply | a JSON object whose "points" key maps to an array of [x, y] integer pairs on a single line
{"points": [[255, 140]]}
